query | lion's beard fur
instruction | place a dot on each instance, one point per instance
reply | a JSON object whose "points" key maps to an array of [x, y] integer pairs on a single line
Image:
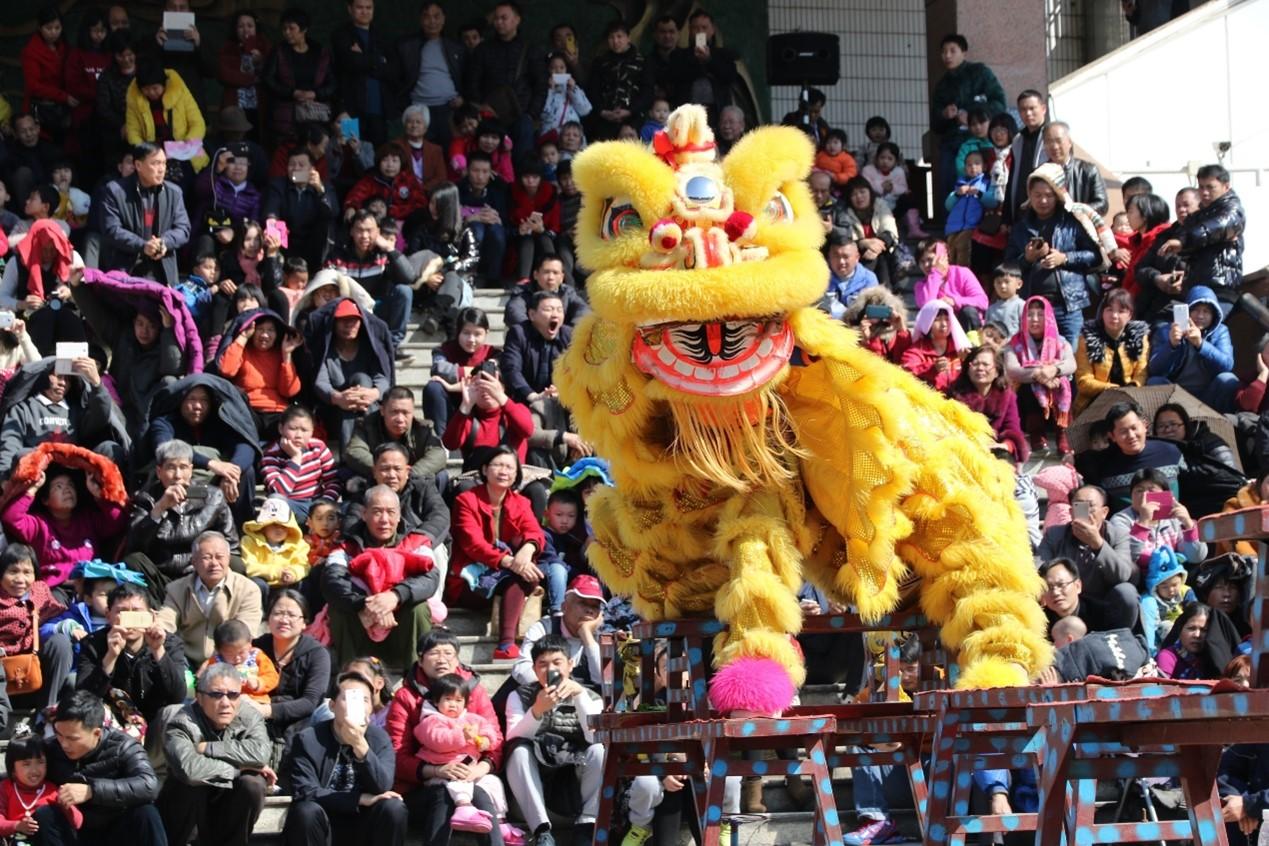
{"points": [[739, 444]]}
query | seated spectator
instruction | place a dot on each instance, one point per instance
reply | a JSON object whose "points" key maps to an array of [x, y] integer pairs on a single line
{"points": [[558, 709], [224, 193], [1064, 596], [1242, 780], [161, 109], [1249, 495], [869, 221], [148, 347], [548, 275], [302, 662], [252, 258], [398, 616], [217, 755], [196, 604], [1211, 238], [1056, 247], [421, 783], [424, 160], [484, 205], [63, 515], [497, 541], [373, 260], [232, 642], [29, 161], [447, 254], [27, 779], [731, 127], [26, 603], [257, 355], [1113, 351], [341, 774], [395, 421], [938, 342], [1040, 360], [486, 417], [953, 284], [275, 554], [983, 387], [206, 412], [1224, 583], [170, 514], [1006, 310], [1165, 596], [299, 75], [391, 182], [1117, 654], [302, 200], [888, 177], [1131, 450], [1211, 473], [422, 509], [104, 773], [36, 275], [832, 155], [1199, 355], [352, 352], [298, 467], [1099, 548], [1149, 528], [577, 623], [87, 607], [147, 665], [1161, 278], [16, 348], [1148, 219], [1251, 397], [847, 277], [327, 285], [41, 406], [887, 336], [535, 215], [1202, 641]]}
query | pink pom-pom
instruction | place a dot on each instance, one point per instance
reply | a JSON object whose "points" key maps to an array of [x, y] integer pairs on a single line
{"points": [[757, 686]]}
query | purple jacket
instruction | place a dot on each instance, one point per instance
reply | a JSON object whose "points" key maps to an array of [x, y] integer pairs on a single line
{"points": [[960, 284], [216, 192], [151, 297]]}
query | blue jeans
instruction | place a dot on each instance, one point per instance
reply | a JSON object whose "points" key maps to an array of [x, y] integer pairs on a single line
{"points": [[394, 310], [876, 789], [492, 238], [556, 584], [1068, 323], [437, 406]]}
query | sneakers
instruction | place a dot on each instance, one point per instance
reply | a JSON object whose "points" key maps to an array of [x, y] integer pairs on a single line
{"points": [[430, 325], [470, 818], [403, 358], [507, 652], [636, 836], [873, 831], [511, 836], [544, 838]]}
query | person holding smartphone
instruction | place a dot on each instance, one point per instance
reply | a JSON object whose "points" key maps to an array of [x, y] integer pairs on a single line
{"points": [[1156, 519], [341, 773], [702, 72]]}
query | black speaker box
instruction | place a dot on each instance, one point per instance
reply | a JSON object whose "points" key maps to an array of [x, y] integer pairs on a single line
{"points": [[797, 58]]}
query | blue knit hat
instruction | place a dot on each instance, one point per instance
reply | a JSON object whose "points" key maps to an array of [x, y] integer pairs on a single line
{"points": [[1164, 564]]}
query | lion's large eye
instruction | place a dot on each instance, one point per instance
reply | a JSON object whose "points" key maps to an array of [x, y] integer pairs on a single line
{"points": [[619, 218], [778, 209]]}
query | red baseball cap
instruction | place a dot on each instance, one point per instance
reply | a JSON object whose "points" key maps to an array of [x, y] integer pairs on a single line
{"points": [[347, 308], [587, 587]]}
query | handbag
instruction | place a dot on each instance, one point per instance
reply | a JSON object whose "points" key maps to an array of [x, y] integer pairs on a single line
{"points": [[22, 672]]}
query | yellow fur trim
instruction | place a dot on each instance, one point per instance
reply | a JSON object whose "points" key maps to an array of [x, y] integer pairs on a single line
{"points": [[992, 672]]}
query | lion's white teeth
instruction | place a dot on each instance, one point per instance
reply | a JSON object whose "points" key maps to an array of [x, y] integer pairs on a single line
{"points": [[748, 363], [665, 355], [704, 374], [765, 348], [731, 371], [683, 367]]}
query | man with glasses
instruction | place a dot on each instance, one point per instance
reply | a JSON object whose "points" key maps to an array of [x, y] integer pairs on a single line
{"points": [[1098, 547], [1064, 597], [217, 760]]}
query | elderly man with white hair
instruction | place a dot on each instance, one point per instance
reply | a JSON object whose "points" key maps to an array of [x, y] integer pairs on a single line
{"points": [[196, 604], [380, 551], [425, 158]]}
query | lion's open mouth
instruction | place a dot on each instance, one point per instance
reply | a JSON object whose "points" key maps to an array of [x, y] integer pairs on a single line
{"points": [[720, 359]]}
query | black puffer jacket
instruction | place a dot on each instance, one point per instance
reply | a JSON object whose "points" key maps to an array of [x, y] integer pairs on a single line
{"points": [[150, 684], [1212, 243], [168, 540], [118, 772]]}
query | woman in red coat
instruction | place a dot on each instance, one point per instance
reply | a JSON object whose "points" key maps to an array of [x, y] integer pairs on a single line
{"points": [[982, 386], [497, 540], [937, 346], [44, 74], [1148, 217]]}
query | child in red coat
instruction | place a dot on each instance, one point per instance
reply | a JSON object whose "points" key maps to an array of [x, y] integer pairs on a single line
{"points": [[26, 790], [390, 181], [535, 214]]}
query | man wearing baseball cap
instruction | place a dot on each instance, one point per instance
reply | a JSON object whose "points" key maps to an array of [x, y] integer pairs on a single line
{"points": [[578, 622], [353, 351]]}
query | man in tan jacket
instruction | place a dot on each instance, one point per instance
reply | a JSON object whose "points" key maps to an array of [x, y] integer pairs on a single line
{"points": [[196, 604]]}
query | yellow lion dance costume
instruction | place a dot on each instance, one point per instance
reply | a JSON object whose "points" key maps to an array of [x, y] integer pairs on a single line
{"points": [[738, 473]]}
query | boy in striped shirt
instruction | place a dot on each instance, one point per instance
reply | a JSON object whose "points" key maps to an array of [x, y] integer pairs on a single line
{"points": [[296, 466]]}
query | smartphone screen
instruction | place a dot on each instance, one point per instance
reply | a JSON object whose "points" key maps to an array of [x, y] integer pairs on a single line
{"points": [[553, 678], [1082, 511], [1163, 503], [355, 706], [1181, 316], [701, 41]]}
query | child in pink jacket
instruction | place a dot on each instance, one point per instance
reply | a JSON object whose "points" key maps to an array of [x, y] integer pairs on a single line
{"points": [[955, 285], [450, 734]]}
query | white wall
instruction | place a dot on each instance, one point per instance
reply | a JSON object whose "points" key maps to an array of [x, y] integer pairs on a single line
{"points": [[883, 64], [1156, 106]]}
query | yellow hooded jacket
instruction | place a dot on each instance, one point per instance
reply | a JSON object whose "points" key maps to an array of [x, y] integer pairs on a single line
{"points": [[264, 562], [183, 115]]}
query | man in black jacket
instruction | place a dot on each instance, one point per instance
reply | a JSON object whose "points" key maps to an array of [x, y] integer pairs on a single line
{"points": [[422, 509], [703, 72], [1083, 180], [105, 773], [144, 220], [146, 664], [395, 421], [1211, 239], [364, 71], [507, 75], [400, 614], [306, 204], [429, 71], [372, 259], [341, 774]]}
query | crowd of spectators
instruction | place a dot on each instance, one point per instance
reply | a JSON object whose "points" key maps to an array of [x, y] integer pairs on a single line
{"points": [[204, 301]]}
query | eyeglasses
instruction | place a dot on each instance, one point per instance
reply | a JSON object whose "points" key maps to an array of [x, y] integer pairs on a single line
{"points": [[231, 695], [286, 615], [1060, 587]]}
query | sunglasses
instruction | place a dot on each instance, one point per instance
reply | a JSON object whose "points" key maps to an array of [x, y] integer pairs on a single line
{"points": [[231, 695]]}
